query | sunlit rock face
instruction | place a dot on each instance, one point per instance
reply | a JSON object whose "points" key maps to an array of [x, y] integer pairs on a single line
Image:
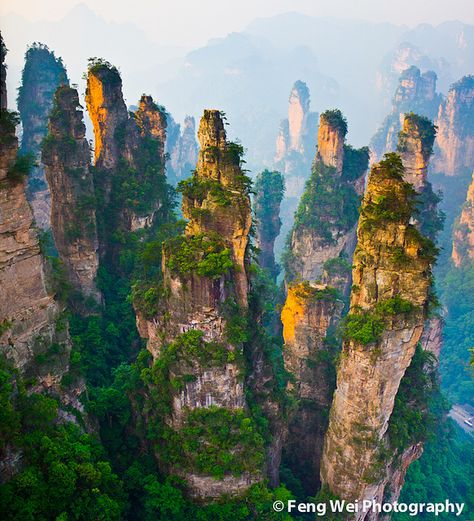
{"points": [[204, 279], [372, 366], [454, 151], [317, 266], [416, 92], [463, 235], [108, 113], [309, 317], [41, 76], [66, 157], [129, 156]]}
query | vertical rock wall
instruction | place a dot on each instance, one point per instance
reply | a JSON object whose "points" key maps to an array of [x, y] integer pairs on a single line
{"points": [[41, 76], [391, 281], [204, 292], [66, 157], [454, 152], [416, 92], [463, 236], [29, 316]]}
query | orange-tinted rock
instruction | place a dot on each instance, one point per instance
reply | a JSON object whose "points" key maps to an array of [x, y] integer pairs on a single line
{"points": [[309, 316]]}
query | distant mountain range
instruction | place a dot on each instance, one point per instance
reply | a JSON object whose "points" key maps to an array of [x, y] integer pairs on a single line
{"points": [[350, 64]]}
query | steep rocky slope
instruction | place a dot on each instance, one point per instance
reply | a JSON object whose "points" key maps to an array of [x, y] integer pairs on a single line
{"points": [[66, 157], [33, 336], [195, 335], [325, 221], [318, 261], [416, 92], [182, 149], [41, 76], [390, 293], [295, 147], [454, 151], [129, 156], [463, 235], [310, 317]]}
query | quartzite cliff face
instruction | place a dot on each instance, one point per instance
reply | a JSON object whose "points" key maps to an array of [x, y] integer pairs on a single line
{"points": [[320, 252], [416, 92], [295, 147], [129, 156], [42, 75], [29, 315], [66, 157], [463, 237], [391, 281], [454, 151], [325, 221], [310, 316], [205, 283]]}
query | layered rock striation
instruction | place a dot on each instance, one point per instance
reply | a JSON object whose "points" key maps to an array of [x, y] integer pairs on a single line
{"points": [[463, 235], [129, 157], [41, 76], [318, 264], [195, 334], [32, 334], [454, 151], [389, 298], [325, 221], [66, 157], [269, 190], [310, 316]]}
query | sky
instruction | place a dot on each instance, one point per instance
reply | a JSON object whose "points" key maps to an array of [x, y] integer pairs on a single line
{"points": [[189, 23]]}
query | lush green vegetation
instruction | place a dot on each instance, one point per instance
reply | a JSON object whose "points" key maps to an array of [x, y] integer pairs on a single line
{"points": [[62, 472], [457, 294], [327, 205], [366, 327], [22, 167], [356, 162], [269, 189], [217, 441], [412, 420], [335, 119], [422, 126], [8, 122], [445, 470], [108, 72], [203, 254], [199, 189]]}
